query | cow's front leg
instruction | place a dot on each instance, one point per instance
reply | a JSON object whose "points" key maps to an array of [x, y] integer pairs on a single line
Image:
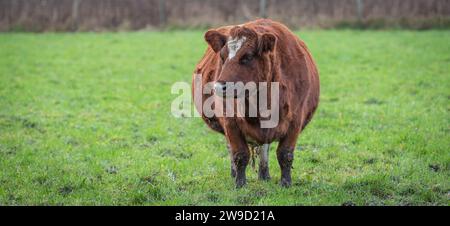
{"points": [[240, 153], [263, 172], [240, 160], [232, 165], [285, 155]]}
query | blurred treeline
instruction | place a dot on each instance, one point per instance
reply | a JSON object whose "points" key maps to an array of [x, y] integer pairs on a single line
{"points": [[98, 15]]}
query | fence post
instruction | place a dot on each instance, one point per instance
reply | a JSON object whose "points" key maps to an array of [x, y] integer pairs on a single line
{"points": [[262, 8], [162, 13], [75, 22], [359, 9]]}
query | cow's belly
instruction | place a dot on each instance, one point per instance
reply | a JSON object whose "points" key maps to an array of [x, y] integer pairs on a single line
{"points": [[256, 135]]}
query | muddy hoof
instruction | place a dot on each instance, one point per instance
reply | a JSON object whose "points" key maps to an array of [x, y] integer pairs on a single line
{"points": [[240, 183], [285, 182], [263, 174]]}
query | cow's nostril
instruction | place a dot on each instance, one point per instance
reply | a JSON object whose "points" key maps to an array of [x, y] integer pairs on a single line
{"points": [[220, 86]]}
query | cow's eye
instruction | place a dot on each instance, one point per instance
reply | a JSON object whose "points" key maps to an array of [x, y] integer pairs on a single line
{"points": [[247, 58]]}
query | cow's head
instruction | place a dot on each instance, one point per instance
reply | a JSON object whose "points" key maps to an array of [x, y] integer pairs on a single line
{"points": [[244, 57]]}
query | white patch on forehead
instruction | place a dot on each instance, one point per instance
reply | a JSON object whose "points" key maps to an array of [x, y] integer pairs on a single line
{"points": [[234, 45]]}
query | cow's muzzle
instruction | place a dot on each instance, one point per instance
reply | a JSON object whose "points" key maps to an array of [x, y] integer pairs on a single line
{"points": [[234, 90], [226, 89]]}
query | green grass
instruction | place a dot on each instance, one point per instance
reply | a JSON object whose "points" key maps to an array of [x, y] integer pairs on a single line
{"points": [[85, 120]]}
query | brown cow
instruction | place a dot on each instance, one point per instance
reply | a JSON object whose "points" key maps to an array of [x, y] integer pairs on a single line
{"points": [[260, 51]]}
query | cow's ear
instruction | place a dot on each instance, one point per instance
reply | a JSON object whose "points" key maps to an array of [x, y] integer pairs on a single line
{"points": [[215, 39], [266, 43]]}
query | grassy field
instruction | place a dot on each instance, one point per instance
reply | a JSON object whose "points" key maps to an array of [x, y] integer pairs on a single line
{"points": [[85, 120]]}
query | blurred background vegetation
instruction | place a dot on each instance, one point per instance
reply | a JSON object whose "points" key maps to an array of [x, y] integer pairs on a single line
{"points": [[118, 15]]}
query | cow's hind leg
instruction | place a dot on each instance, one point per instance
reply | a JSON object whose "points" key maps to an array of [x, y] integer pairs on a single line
{"points": [[285, 156], [263, 172]]}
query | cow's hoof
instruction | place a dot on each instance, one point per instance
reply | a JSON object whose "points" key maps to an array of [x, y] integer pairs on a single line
{"points": [[240, 183], [285, 182], [264, 174]]}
